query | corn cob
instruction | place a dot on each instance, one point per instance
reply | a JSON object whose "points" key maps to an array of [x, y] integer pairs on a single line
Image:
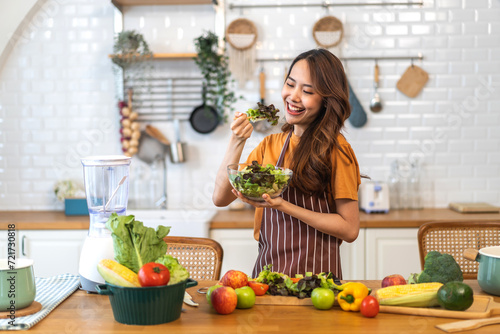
{"points": [[410, 295], [117, 274]]}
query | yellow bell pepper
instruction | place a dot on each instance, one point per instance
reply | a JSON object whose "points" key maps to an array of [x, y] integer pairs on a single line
{"points": [[351, 296]]}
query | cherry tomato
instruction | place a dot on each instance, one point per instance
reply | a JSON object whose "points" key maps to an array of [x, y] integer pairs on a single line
{"points": [[153, 274], [369, 307], [295, 279], [259, 288]]}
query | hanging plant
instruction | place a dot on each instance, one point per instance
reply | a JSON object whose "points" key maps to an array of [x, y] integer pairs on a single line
{"points": [[130, 47], [214, 67]]}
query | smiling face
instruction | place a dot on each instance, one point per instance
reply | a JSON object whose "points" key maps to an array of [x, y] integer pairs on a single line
{"points": [[301, 100]]}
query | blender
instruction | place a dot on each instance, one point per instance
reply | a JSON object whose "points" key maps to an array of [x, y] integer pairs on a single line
{"points": [[106, 187]]}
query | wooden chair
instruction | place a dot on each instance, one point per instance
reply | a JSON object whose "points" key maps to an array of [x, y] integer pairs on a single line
{"points": [[202, 257], [454, 237]]}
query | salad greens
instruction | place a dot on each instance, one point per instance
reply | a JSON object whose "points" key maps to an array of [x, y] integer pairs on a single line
{"points": [[177, 272], [255, 180], [135, 245], [282, 285], [263, 112]]}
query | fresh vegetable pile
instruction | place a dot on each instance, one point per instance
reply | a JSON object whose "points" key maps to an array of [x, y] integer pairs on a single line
{"points": [[301, 286], [255, 180], [263, 113], [140, 254]]}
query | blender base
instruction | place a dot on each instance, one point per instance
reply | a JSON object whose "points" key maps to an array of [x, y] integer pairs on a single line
{"points": [[88, 285]]}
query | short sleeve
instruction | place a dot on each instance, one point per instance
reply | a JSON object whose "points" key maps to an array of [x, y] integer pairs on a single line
{"points": [[346, 178]]}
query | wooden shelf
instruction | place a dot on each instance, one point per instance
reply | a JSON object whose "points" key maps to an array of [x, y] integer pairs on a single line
{"points": [[168, 56], [119, 3]]}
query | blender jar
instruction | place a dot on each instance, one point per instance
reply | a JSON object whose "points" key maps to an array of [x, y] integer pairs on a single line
{"points": [[106, 186]]}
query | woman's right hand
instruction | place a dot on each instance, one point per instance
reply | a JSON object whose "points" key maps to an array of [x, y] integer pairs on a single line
{"points": [[241, 126]]}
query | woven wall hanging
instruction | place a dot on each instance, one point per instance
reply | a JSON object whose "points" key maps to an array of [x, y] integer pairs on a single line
{"points": [[241, 35], [328, 31]]}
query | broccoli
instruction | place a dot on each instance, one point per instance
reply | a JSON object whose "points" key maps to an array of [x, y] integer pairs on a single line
{"points": [[438, 268]]}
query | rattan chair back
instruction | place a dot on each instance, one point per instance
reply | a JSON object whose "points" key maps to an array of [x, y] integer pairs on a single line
{"points": [[454, 237], [202, 257]]}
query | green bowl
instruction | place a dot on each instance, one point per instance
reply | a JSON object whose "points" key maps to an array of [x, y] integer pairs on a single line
{"points": [[146, 305]]}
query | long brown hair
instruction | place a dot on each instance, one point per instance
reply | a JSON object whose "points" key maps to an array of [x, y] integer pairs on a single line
{"points": [[311, 162]]}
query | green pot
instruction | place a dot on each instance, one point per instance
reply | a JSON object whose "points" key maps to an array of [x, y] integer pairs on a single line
{"points": [[488, 274], [146, 305]]}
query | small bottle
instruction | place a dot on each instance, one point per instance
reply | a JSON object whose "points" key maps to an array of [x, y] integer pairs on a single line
{"points": [[415, 187], [394, 187]]}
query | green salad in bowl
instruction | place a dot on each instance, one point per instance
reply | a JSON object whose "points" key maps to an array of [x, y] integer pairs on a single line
{"points": [[253, 180]]}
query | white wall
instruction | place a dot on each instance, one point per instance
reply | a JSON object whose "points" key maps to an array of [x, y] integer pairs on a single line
{"points": [[57, 94]]}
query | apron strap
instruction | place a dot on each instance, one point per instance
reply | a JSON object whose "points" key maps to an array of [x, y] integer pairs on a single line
{"points": [[281, 158]]}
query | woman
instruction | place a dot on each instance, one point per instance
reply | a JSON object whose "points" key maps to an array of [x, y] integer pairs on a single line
{"points": [[301, 231]]}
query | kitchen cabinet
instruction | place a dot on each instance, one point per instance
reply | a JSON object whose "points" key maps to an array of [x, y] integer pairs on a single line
{"points": [[352, 256], [240, 249], [391, 251], [54, 252]]}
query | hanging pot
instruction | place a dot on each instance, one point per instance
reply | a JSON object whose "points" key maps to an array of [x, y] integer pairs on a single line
{"points": [[204, 118]]}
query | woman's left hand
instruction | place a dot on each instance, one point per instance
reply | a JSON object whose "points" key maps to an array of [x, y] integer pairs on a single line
{"points": [[268, 201]]}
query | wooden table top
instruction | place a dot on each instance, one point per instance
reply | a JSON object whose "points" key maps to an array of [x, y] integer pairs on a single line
{"points": [[90, 313], [233, 219]]}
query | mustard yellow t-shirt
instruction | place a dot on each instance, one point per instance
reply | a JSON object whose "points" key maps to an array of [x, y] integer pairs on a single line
{"points": [[345, 178]]}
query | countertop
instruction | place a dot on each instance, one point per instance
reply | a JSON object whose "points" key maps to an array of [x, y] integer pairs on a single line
{"points": [[91, 313], [232, 219]]}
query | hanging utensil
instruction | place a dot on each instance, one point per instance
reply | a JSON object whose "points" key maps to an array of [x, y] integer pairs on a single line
{"points": [[412, 81], [376, 103], [358, 115], [204, 118], [177, 149], [156, 134]]}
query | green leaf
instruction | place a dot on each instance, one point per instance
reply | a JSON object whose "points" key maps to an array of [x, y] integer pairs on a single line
{"points": [[135, 244]]}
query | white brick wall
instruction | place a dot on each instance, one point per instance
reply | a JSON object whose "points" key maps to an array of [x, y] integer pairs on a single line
{"points": [[57, 93]]}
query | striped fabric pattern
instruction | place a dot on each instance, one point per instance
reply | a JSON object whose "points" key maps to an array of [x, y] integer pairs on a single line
{"points": [[292, 246], [50, 292]]}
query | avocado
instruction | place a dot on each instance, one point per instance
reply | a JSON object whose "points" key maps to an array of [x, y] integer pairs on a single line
{"points": [[455, 296]]}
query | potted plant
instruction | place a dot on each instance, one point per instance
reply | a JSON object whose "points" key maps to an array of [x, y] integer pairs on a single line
{"points": [[214, 67], [73, 196], [130, 47]]}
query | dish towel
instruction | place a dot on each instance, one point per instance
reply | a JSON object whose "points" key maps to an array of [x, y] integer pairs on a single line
{"points": [[50, 292]]}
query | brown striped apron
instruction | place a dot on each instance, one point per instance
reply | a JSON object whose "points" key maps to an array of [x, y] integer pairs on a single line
{"points": [[292, 246]]}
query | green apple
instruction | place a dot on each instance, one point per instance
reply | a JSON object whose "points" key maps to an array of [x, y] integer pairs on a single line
{"points": [[246, 297], [209, 292], [322, 298]]}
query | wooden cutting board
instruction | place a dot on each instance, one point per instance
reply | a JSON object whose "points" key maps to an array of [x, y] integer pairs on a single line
{"points": [[282, 300], [412, 81], [483, 307], [474, 207]]}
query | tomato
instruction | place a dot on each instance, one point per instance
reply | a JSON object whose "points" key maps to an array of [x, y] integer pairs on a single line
{"points": [[369, 307], [259, 288], [295, 279], [322, 298], [153, 274]]}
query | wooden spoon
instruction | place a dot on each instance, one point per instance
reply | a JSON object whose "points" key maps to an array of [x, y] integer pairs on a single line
{"points": [[464, 325], [156, 134]]}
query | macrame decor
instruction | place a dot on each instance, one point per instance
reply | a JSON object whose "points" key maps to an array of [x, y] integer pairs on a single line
{"points": [[328, 32], [241, 35]]}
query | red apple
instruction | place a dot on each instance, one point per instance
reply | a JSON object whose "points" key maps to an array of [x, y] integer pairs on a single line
{"points": [[235, 279], [395, 279], [224, 299]]}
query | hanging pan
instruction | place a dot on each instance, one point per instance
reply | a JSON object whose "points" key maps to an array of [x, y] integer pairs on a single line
{"points": [[204, 118]]}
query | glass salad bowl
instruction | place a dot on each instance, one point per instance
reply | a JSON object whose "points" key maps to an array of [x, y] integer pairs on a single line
{"points": [[254, 180]]}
